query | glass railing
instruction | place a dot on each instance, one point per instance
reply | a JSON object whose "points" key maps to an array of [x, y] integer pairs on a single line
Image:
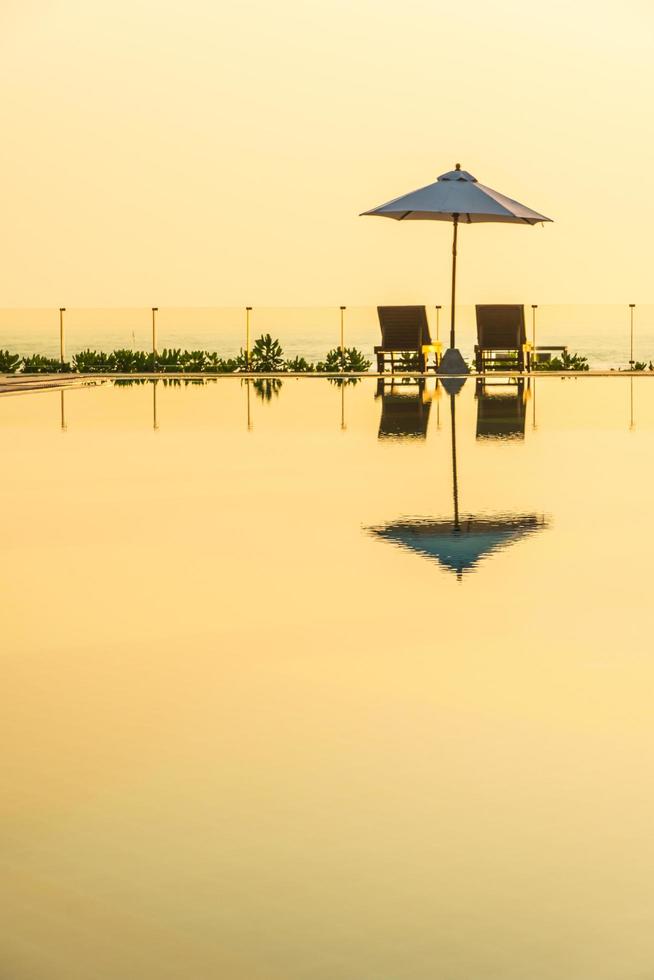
{"points": [[600, 332]]}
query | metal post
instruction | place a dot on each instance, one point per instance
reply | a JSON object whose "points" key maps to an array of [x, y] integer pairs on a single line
{"points": [[155, 420], [438, 323], [247, 343], [154, 334], [455, 482], [342, 348], [533, 408], [456, 228], [62, 349], [631, 340], [534, 307]]}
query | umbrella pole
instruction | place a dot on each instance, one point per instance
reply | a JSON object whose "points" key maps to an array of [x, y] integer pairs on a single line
{"points": [[455, 483], [456, 229]]}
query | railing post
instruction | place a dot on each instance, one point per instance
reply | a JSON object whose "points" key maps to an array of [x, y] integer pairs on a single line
{"points": [[534, 307], [154, 336], [632, 307], [247, 342], [62, 346]]}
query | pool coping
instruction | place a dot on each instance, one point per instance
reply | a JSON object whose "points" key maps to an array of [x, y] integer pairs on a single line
{"points": [[20, 383]]}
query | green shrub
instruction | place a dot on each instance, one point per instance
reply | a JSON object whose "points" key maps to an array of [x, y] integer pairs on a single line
{"points": [[241, 361], [267, 355], [91, 361], [194, 360], [38, 364], [409, 361], [143, 361], [9, 363], [566, 362], [298, 365], [124, 360], [169, 359], [348, 359], [214, 364]]}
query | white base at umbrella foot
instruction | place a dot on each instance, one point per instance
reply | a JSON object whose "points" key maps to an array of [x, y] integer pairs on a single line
{"points": [[452, 363]]}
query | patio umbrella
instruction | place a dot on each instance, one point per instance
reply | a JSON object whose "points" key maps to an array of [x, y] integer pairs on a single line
{"points": [[459, 544], [457, 196]]}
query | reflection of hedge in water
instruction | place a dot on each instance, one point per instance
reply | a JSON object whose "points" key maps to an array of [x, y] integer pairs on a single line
{"points": [[166, 382]]}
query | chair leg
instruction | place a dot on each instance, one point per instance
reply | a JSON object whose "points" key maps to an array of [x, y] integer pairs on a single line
{"points": [[380, 363], [423, 363]]}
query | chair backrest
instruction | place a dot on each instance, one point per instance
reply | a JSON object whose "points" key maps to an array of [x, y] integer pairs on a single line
{"points": [[501, 326], [403, 327]]}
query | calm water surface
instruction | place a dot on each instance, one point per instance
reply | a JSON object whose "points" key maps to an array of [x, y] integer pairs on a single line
{"points": [[303, 688]]}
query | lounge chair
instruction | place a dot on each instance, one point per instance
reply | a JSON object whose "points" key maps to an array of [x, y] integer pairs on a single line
{"points": [[405, 330], [405, 410], [501, 409], [501, 339]]}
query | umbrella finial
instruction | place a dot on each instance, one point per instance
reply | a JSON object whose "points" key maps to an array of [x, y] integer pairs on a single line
{"points": [[457, 166]]}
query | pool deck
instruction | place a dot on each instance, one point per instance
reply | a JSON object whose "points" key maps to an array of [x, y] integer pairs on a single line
{"points": [[21, 383]]}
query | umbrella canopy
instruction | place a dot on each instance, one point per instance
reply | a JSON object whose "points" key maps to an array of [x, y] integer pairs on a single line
{"points": [[457, 196]]}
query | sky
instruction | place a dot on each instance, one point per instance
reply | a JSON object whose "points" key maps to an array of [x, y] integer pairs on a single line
{"points": [[212, 153]]}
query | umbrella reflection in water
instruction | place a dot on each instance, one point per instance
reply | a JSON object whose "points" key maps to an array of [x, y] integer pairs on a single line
{"points": [[459, 544]]}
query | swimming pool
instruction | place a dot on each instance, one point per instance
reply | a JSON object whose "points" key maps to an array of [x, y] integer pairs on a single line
{"points": [[302, 680]]}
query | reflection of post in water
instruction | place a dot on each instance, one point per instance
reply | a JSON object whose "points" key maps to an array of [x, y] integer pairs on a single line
{"points": [[247, 389], [405, 408], [455, 484], [64, 427], [155, 421], [343, 425], [631, 403], [533, 407]]}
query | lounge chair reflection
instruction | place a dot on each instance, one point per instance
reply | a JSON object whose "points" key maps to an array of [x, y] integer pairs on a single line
{"points": [[405, 409], [501, 409]]}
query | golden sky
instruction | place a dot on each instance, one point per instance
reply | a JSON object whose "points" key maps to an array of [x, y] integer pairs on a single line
{"points": [[215, 152]]}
